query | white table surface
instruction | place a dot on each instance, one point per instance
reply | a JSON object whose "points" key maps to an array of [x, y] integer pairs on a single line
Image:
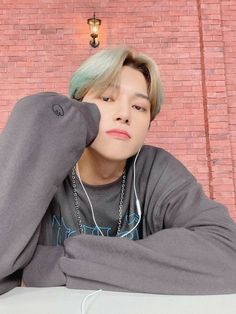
{"points": [[61, 300]]}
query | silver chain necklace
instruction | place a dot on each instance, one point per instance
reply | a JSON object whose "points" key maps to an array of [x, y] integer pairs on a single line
{"points": [[76, 202]]}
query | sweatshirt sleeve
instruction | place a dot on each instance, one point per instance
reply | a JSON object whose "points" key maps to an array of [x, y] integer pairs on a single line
{"points": [[45, 135], [195, 253]]}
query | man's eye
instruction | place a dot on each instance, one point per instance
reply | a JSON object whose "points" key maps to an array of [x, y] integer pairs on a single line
{"points": [[139, 108], [104, 98]]}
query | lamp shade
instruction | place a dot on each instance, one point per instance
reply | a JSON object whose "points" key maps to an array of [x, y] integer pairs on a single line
{"points": [[94, 25]]}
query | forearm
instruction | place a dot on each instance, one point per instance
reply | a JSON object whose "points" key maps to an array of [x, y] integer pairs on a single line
{"points": [[38, 147], [173, 261], [44, 270]]}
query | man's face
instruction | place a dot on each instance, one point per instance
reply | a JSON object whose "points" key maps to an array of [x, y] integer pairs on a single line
{"points": [[127, 109]]}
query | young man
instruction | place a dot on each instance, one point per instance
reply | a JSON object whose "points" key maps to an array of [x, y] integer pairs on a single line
{"points": [[85, 204]]}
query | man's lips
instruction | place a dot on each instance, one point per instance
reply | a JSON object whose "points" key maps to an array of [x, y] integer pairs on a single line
{"points": [[119, 133]]}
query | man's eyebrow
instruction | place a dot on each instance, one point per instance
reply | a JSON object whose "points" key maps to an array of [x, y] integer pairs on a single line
{"points": [[113, 86], [142, 96], [135, 94]]}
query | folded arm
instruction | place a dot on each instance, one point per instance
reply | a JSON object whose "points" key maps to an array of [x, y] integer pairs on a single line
{"points": [[194, 254], [44, 137]]}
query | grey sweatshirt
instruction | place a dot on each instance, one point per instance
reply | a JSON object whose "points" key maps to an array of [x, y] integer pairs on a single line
{"points": [[185, 243]]}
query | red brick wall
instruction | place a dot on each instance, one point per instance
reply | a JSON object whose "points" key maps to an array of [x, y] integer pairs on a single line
{"points": [[228, 11], [193, 42]]}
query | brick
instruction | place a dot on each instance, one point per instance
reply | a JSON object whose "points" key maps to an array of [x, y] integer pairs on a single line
{"points": [[42, 43]]}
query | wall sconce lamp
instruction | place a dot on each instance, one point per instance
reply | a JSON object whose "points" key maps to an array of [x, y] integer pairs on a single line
{"points": [[94, 25]]}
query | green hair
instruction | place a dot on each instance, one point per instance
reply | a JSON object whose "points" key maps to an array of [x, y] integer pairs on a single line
{"points": [[104, 67]]}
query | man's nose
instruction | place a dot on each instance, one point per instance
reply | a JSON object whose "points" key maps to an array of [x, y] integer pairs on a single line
{"points": [[123, 113]]}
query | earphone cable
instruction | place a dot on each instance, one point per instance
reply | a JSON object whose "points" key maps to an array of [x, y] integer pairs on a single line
{"points": [[85, 299], [91, 206], [137, 202]]}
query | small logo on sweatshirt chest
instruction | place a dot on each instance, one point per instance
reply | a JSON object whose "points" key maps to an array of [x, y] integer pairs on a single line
{"points": [[58, 110]]}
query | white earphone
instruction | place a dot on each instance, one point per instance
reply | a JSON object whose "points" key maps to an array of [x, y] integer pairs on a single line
{"points": [[136, 201], [136, 197]]}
